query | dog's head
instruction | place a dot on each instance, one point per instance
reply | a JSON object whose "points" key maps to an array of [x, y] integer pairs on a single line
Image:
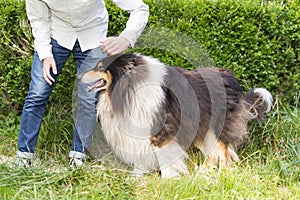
{"points": [[99, 77], [108, 70]]}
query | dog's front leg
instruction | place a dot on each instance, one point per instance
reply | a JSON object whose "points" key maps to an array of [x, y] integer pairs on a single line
{"points": [[139, 171], [171, 158]]}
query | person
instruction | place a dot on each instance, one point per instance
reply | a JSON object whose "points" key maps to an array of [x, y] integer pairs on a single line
{"points": [[61, 28]]}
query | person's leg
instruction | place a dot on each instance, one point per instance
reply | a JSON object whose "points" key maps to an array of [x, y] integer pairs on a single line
{"points": [[35, 103], [86, 114]]}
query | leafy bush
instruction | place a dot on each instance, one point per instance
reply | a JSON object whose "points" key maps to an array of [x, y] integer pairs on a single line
{"points": [[16, 49], [260, 42]]}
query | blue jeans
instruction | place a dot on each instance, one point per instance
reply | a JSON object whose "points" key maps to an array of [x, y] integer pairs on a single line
{"points": [[40, 90]]}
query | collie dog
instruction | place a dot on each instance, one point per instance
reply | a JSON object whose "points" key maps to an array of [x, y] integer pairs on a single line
{"points": [[151, 113]]}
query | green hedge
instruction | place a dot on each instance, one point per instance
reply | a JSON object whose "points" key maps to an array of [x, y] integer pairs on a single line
{"points": [[260, 41]]}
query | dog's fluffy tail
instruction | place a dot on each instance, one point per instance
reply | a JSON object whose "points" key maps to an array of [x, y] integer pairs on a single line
{"points": [[258, 101]]}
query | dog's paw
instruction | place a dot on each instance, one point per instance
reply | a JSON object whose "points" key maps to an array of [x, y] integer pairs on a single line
{"points": [[138, 172], [175, 170], [169, 173], [172, 173]]}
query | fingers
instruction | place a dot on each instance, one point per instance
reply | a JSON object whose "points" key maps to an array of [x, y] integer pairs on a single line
{"points": [[108, 46], [48, 65], [114, 45]]}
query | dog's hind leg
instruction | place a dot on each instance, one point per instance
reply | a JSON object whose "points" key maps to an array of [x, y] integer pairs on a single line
{"points": [[217, 153], [171, 158]]}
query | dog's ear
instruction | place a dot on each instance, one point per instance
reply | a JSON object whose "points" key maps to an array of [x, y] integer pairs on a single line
{"points": [[139, 60], [100, 67]]}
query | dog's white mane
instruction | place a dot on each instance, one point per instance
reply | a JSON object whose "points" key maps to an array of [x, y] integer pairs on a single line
{"points": [[129, 133]]}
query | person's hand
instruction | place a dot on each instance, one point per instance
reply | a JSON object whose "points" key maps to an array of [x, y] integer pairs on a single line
{"points": [[114, 45], [49, 64]]}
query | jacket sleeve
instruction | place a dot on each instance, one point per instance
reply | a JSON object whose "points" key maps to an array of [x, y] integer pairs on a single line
{"points": [[139, 13], [39, 16]]}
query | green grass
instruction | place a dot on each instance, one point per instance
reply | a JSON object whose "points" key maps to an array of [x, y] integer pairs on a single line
{"points": [[269, 166]]}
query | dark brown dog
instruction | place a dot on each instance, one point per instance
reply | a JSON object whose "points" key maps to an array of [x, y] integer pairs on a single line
{"points": [[151, 113]]}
